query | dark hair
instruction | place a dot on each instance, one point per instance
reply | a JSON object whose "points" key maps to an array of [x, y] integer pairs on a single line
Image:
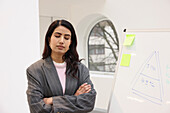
{"points": [[71, 57]]}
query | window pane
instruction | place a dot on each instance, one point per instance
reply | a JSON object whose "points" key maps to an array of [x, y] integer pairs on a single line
{"points": [[96, 49], [98, 66], [103, 47]]}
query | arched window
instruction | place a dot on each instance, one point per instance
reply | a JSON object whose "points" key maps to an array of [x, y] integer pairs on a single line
{"points": [[103, 47]]}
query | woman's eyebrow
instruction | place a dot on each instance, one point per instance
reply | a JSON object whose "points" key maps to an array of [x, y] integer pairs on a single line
{"points": [[57, 33], [61, 34], [67, 35]]}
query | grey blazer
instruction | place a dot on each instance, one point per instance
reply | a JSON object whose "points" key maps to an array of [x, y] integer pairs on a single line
{"points": [[43, 82]]}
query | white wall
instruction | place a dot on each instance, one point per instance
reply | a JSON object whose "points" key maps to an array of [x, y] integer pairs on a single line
{"points": [[43, 29], [19, 47], [129, 14]]}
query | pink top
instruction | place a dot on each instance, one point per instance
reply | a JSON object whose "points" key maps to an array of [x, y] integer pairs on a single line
{"points": [[61, 69]]}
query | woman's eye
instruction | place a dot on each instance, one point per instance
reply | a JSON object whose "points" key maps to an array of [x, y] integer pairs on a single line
{"points": [[58, 36], [66, 38]]}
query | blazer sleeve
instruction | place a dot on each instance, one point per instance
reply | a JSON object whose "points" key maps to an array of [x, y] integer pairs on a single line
{"points": [[76, 104], [35, 96]]}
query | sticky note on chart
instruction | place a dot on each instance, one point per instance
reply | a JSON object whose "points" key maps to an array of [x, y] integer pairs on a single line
{"points": [[129, 39], [125, 61]]}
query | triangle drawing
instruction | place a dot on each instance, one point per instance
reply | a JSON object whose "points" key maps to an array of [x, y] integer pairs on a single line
{"points": [[147, 83]]}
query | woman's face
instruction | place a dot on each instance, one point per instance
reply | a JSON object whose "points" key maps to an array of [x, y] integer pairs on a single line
{"points": [[60, 40]]}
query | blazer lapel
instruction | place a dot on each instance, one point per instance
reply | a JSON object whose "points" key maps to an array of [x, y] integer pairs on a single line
{"points": [[71, 84], [52, 77]]}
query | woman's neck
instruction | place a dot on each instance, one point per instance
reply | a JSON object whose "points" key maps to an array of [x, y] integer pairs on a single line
{"points": [[57, 58]]}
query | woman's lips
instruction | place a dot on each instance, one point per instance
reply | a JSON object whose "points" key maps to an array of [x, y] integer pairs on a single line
{"points": [[60, 47]]}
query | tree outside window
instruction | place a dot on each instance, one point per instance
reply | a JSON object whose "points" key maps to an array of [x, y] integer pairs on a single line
{"points": [[103, 47]]}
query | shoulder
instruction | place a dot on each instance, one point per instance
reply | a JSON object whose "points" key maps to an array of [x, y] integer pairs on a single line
{"points": [[35, 66], [82, 68], [81, 65], [83, 74]]}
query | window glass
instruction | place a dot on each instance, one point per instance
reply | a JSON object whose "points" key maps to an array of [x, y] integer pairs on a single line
{"points": [[103, 47]]}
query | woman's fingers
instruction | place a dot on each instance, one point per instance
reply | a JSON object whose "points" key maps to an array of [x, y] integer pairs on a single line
{"points": [[48, 100], [87, 87], [88, 91], [84, 87]]}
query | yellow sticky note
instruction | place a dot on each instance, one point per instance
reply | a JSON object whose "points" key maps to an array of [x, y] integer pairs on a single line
{"points": [[129, 39], [125, 61]]}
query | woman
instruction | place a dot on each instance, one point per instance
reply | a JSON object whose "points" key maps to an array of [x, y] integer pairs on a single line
{"points": [[59, 83]]}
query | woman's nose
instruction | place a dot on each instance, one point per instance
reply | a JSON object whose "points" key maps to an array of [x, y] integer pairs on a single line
{"points": [[61, 39]]}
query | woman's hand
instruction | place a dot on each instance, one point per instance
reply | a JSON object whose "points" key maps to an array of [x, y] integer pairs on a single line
{"points": [[48, 100], [84, 88]]}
